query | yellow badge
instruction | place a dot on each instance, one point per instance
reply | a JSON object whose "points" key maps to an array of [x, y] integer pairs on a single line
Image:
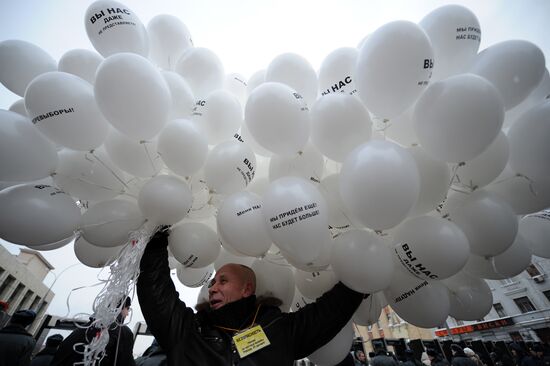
{"points": [[250, 340]]}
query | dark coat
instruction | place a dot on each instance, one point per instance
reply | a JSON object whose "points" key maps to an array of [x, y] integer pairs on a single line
{"points": [[16, 346], [120, 336], [44, 357], [153, 356], [438, 361], [191, 338], [460, 359]]}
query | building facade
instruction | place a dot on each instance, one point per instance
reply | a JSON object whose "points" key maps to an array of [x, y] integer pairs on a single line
{"points": [[21, 283]]}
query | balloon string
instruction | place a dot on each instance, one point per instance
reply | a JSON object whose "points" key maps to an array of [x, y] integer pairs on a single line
{"points": [[519, 175], [109, 169], [144, 143], [494, 267], [87, 182], [455, 179]]}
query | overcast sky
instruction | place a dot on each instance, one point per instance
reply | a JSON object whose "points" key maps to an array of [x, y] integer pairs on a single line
{"points": [[246, 35]]}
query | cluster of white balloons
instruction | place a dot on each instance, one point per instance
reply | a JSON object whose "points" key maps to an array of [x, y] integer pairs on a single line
{"points": [[412, 167]]}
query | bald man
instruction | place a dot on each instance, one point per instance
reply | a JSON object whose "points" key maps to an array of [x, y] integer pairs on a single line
{"points": [[234, 327]]}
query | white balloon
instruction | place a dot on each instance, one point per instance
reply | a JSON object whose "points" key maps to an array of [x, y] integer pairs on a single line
{"points": [[537, 96], [139, 158], [296, 72], [277, 118], [295, 213], [236, 84], [183, 100], [194, 244], [362, 261], [226, 257], [338, 215], [255, 80], [307, 164], [379, 183], [274, 280], [53, 246], [524, 194], [63, 108], [489, 223], [419, 302], [299, 301], [80, 62], [369, 311], [182, 147], [528, 136], [457, 118], [229, 167], [26, 154], [93, 256], [168, 39], [19, 107], [455, 35], [339, 123], [219, 116], [335, 73], [202, 69], [37, 214], [514, 67], [535, 228], [321, 263], [471, 298], [89, 176], [388, 88], [21, 62], [314, 284], [109, 223], [508, 264], [435, 177], [112, 27], [165, 199], [244, 135], [399, 129], [133, 95], [430, 248], [336, 349], [485, 167], [195, 277], [241, 224]]}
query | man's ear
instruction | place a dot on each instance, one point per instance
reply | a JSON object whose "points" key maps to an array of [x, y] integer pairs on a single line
{"points": [[248, 289]]}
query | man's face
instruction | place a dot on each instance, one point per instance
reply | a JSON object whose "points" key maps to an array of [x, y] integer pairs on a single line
{"points": [[361, 356], [228, 285], [124, 312]]}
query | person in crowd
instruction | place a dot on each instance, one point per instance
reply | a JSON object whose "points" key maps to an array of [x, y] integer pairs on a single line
{"points": [[536, 358], [435, 358], [473, 356], [118, 351], [347, 361], [381, 358], [16, 344], [4, 317], [234, 326], [518, 353], [153, 356], [359, 358], [425, 359], [45, 356], [410, 359], [459, 357], [501, 358]]}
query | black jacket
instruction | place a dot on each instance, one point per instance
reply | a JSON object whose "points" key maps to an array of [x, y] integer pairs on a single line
{"points": [[44, 357], [16, 346], [191, 338], [120, 337], [460, 359]]}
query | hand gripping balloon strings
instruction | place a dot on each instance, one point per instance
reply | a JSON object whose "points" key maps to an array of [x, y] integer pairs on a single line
{"points": [[111, 299]]}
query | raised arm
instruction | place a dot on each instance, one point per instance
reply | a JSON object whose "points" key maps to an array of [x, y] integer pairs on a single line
{"points": [[317, 323], [165, 314]]}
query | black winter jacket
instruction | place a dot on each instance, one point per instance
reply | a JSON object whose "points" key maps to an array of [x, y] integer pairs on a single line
{"points": [[120, 346], [44, 357], [16, 346], [460, 359], [191, 338]]}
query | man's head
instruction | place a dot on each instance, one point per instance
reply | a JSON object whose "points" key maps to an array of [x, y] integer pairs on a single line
{"points": [[232, 282], [126, 303], [23, 317], [54, 341], [360, 355], [431, 353]]}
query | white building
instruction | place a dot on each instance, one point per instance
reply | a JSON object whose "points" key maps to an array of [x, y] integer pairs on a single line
{"points": [[21, 283], [520, 304]]}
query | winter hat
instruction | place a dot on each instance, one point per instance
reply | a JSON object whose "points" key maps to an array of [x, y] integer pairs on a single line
{"points": [[469, 352], [23, 317], [54, 340], [431, 352]]}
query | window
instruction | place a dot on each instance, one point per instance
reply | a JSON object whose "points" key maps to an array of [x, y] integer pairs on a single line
{"points": [[547, 294], [533, 270], [6, 284], [499, 309], [23, 302], [16, 293], [524, 304], [506, 281]]}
